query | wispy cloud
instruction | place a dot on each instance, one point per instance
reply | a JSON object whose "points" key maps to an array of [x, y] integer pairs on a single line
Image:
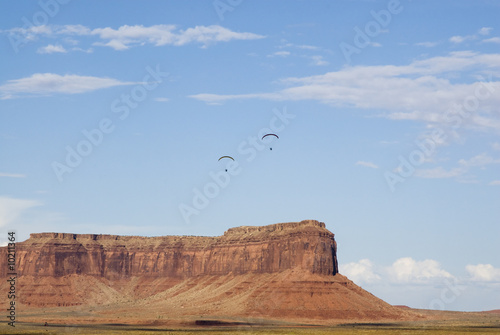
{"points": [[495, 183], [286, 44], [216, 99], [427, 44], [420, 91], [51, 48], [50, 83], [367, 164], [460, 39], [307, 47], [484, 31], [492, 40], [463, 167], [125, 37], [279, 54], [12, 208], [12, 175], [318, 60], [440, 172], [88, 50], [161, 99], [159, 35]]}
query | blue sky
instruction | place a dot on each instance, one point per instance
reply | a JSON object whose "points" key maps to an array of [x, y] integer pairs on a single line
{"points": [[113, 116]]}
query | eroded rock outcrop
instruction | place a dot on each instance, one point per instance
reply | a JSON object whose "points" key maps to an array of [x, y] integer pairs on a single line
{"points": [[282, 271], [306, 245]]}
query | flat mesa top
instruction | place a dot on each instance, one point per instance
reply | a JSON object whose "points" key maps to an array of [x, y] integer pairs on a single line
{"points": [[232, 233]]}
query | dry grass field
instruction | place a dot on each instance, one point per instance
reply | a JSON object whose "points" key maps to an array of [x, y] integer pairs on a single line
{"points": [[65, 321], [461, 325], [298, 331]]}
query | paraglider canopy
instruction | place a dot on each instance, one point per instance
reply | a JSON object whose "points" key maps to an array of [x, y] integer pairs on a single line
{"points": [[269, 135], [227, 157]]}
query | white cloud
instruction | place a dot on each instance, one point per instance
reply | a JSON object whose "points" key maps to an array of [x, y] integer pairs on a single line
{"points": [[360, 272], [76, 30], [367, 164], [440, 172], [457, 39], [31, 33], [286, 44], [427, 44], [307, 47], [206, 35], [89, 50], [50, 83], [479, 160], [51, 49], [12, 208], [425, 284], [318, 61], [460, 39], [279, 54], [485, 31], [495, 183], [213, 99], [403, 271], [483, 273], [407, 270], [463, 167], [160, 99], [492, 40], [12, 175]]}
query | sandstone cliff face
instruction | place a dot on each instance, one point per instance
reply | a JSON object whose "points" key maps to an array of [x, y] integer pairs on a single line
{"points": [[305, 245]]}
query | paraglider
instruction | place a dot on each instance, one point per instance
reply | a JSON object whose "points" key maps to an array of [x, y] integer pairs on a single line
{"points": [[270, 135], [229, 157]]}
